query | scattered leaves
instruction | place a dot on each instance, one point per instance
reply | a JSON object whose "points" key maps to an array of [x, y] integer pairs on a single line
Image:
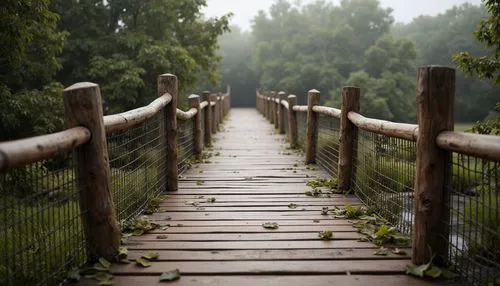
{"points": [[292, 205], [170, 275], [325, 211], [200, 183], [382, 251], [211, 200], [143, 262], [122, 253], [162, 236], [151, 255], [270, 225], [326, 235], [399, 251]]}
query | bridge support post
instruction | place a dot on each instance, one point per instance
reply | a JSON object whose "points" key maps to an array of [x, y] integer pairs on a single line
{"points": [[348, 136], [167, 83], [272, 107], [292, 121], [267, 105], [313, 99], [281, 108], [213, 98], [435, 98], [276, 110], [207, 136], [194, 102], [83, 107], [221, 107]]}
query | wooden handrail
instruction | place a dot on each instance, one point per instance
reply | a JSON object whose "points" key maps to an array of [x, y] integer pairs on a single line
{"points": [[327, 111], [300, 108], [478, 145], [127, 119], [388, 128], [285, 104], [213, 103], [25, 151], [203, 105], [186, 115]]}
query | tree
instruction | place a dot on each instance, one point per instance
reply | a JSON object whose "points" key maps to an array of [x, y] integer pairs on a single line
{"points": [[486, 67]]}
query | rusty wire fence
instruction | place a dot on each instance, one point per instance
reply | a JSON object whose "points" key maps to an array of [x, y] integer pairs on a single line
{"points": [[41, 235], [474, 224], [135, 162], [185, 148], [301, 130], [383, 177], [327, 150]]}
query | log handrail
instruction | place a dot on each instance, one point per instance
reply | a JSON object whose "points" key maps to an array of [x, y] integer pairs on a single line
{"points": [[478, 145], [300, 108], [203, 105], [285, 104], [26, 151], [384, 127], [213, 103], [186, 115], [327, 111], [127, 119]]}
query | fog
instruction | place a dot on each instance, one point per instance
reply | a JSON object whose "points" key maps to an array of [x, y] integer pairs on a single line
{"points": [[404, 10]]}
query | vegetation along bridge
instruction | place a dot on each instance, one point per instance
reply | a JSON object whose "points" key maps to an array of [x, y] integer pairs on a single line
{"points": [[209, 196]]}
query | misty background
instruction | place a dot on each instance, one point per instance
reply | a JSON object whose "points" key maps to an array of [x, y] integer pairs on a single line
{"points": [[295, 46]]}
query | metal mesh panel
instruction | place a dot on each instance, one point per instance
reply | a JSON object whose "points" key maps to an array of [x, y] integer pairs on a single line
{"points": [[185, 144], [474, 225], [384, 175], [41, 235], [327, 151], [302, 129], [135, 162]]}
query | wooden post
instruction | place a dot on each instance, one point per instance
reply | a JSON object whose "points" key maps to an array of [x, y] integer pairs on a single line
{"points": [[269, 106], [213, 98], [276, 111], [348, 136], [167, 83], [281, 108], [207, 136], [221, 108], [83, 107], [435, 98], [228, 94], [272, 115], [312, 126], [292, 121], [266, 105], [194, 102]]}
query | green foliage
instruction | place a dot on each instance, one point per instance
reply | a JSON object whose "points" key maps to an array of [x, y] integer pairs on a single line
{"points": [[170, 275], [326, 235], [270, 225]]}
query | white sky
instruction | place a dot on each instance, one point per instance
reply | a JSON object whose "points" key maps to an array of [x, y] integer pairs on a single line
{"points": [[404, 10]]}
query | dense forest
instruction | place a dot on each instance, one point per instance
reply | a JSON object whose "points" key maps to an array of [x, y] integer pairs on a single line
{"points": [[326, 46], [124, 44]]}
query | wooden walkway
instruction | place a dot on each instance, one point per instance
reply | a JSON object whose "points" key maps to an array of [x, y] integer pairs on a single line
{"points": [[253, 179]]}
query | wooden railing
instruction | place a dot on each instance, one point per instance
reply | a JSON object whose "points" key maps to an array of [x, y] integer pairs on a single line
{"points": [[86, 138], [435, 142]]}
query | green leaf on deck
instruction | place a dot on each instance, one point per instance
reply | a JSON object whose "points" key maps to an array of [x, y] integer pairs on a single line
{"points": [[292, 205], [106, 264], [162, 236], [399, 251], [211, 200], [271, 225], [199, 183], [104, 278], [122, 253], [170, 275], [143, 262], [382, 251], [326, 235], [417, 270], [433, 271], [151, 255], [124, 261], [325, 211]]}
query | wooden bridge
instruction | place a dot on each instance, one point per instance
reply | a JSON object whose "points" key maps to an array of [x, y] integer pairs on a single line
{"points": [[245, 205]]}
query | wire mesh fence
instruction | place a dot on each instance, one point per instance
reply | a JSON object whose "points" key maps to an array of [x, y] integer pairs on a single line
{"points": [[383, 177], [185, 145], [135, 163], [327, 151], [301, 129], [41, 234], [474, 225]]}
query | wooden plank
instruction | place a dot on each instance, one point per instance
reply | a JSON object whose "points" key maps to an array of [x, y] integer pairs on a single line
{"points": [[259, 236], [258, 223], [271, 254], [281, 267], [216, 245], [278, 280]]}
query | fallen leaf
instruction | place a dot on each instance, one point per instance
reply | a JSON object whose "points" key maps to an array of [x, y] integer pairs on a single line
{"points": [[382, 251], [417, 270], [292, 205], [170, 275], [151, 255], [143, 262], [270, 225]]}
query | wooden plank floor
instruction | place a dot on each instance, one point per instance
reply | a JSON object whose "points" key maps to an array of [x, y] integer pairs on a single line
{"points": [[223, 243]]}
